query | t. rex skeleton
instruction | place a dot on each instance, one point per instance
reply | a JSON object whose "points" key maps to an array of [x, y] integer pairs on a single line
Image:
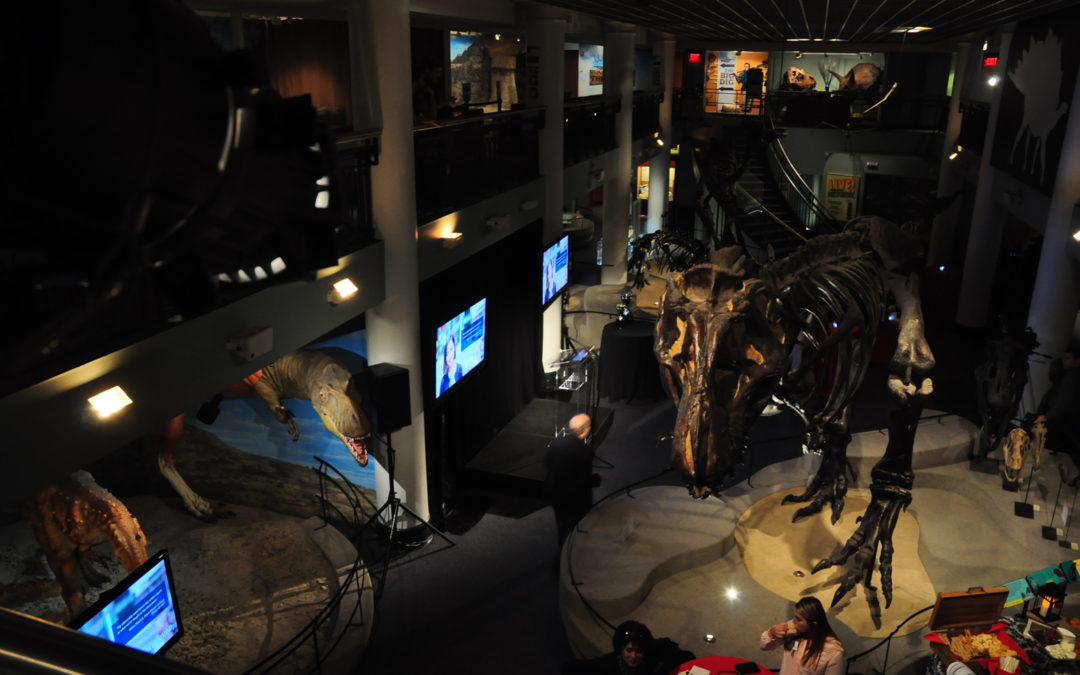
{"points": [[800, 332]]}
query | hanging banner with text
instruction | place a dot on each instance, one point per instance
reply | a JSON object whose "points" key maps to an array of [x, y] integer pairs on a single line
{"points": [[841, 195]]}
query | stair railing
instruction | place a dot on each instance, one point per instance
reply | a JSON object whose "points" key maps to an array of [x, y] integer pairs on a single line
{"points": [[802, 199]]}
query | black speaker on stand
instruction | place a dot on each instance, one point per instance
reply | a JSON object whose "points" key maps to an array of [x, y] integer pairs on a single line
{"points": [[389, 386]]}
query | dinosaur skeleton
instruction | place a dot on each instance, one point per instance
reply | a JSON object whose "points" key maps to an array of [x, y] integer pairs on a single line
{"points": [[799, 332]]}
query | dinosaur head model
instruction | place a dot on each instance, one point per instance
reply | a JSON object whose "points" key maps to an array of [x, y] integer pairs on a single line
{"points": [[338, 402], [720, 344]]}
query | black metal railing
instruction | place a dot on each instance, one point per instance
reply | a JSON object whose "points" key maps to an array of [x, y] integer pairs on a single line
{"points": [[464, 161], [588, 128], [353, 158], [800, 197]]}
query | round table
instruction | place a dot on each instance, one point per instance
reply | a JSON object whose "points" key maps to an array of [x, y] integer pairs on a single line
{"points": [[715, 665]]}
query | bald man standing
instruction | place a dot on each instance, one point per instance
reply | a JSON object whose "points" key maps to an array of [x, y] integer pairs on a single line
{"points": [[570, 479]]}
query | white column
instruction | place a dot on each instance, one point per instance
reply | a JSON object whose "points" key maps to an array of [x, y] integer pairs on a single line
{"points": [[949, 176], [1055, 297], [987, 223], [547, 34], [658, 165], [393, 328], [618, 82]]}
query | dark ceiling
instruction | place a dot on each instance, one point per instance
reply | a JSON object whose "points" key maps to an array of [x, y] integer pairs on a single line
{"points": [[817, 22]]}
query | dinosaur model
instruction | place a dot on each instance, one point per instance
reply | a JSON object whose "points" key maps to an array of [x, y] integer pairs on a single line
{"points": [[732, 338], [1020, 443], [999, 384], [304, 374], [861, 77], [70, 517]]}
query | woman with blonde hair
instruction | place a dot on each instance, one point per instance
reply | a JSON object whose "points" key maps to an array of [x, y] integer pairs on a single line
{"points": [[810, 645]]}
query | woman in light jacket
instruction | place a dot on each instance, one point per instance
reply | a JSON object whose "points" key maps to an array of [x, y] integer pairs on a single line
{"points": [[810, 645]]}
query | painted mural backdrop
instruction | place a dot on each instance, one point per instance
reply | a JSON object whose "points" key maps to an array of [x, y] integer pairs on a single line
{"points": [[248, 425], [590, 70], [1037, 89]]}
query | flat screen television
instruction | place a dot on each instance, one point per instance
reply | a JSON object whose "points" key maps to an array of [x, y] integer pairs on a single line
{"points": [[140, 612], [556, 269], [459, 346]]}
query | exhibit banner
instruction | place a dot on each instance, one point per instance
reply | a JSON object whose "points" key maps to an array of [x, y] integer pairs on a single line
{"points": [[1037, 89], [841, 195], [590, 70], [719, 80]]}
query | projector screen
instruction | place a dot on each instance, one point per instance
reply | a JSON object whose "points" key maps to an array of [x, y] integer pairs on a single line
{"points": [[459, 346], [140, 612]]}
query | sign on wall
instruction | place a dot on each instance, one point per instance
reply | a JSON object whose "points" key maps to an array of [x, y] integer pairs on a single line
{"points": [[1037, 89], [841, 195]]}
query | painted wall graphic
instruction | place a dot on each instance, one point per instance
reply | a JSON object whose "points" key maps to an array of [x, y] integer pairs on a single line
{"points": [[590, 70], [248, 425], [1037, 89], [841, 196]]}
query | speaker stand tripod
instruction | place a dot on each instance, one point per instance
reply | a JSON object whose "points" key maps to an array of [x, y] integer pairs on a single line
{"points": [[395, 507]]}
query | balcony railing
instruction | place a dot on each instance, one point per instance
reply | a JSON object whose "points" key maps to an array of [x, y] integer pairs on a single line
{"points": [[464, 161], [589, 128]]}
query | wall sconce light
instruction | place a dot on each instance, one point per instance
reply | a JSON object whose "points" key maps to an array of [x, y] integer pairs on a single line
{"points": [[994, 79], [1076, 235], [452, 239], [658, 139], [109, 401], [342, 290], [954, 154]]}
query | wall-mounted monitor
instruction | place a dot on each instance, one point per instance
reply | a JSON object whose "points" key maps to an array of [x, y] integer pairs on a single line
{"points": [[140, 612], [556, 269], [459, 346]]}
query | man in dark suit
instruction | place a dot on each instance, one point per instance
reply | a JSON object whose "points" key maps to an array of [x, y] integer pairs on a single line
{"points": [[569, 482]]}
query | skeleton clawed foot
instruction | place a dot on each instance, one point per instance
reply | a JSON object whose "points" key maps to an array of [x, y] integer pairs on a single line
{"points": [[876, 527], [829, 486]]}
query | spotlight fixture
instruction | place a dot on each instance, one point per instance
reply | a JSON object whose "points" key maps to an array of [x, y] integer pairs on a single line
{"points": [[452, 239], [109, 401], [1076, 235], [658, 138], [954, 155], [732, 594], [342, 290], [994, 79], [798, 55]]}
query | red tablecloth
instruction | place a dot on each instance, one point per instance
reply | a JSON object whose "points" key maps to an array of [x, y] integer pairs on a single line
{"points": [[717, 665], [991, 665]]}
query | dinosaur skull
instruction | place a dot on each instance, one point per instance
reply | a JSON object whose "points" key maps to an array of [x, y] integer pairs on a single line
{"points": [[797, 78], [1017, 444], [721, 349], [340, 406]]}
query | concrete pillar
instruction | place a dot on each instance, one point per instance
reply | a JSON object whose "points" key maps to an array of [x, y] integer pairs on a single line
{"points": [[1055, 298], [618, 82], [546, 36], [658, 175], [393, 328], [987, 223], [949, 176]]}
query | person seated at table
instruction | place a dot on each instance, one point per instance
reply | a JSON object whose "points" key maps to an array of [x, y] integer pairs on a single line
{"points": [[810, 645], [635, 653]]}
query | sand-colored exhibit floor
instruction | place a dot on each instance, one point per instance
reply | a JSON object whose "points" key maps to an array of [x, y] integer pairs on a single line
{"points": [[726, 566]]}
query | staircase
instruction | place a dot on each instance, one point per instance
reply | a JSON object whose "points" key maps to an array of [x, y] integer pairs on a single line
{"points": [[761, 203]]}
